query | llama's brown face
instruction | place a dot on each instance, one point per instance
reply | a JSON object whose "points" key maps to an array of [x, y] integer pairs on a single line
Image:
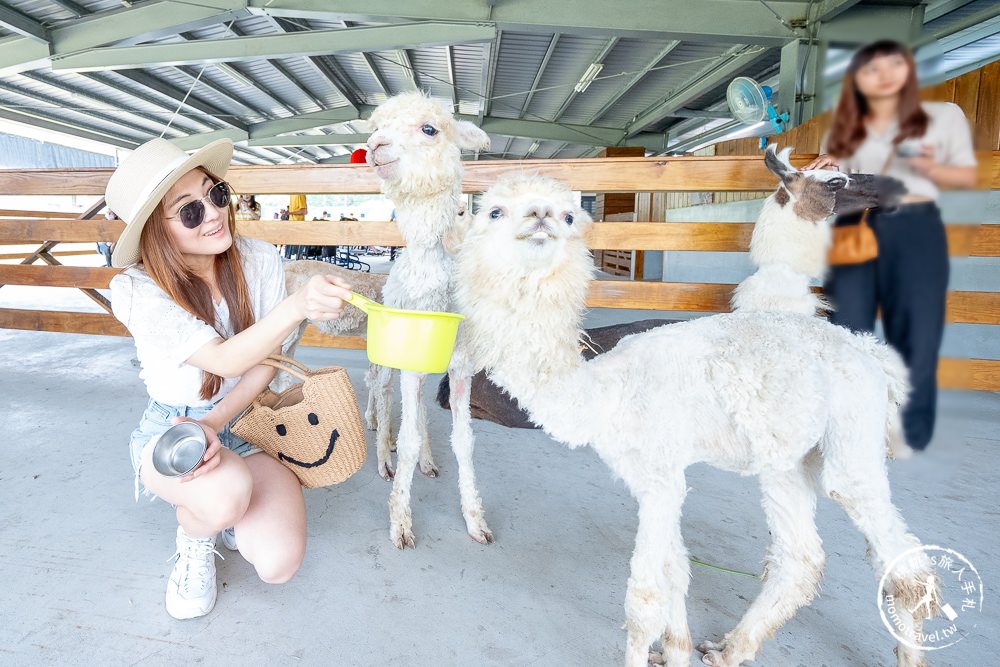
{"points": [[812, 200], [819, 193]]}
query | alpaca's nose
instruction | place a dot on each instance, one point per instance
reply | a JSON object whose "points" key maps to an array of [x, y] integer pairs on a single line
{"points": [[540, 210], [376, 141]]}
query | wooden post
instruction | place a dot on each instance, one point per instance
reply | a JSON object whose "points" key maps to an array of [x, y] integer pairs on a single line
{"points": [[650, 207], [617, 262]]}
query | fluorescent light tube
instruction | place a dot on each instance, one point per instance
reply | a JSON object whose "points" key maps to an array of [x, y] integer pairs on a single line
{"points": [[588, 77]]}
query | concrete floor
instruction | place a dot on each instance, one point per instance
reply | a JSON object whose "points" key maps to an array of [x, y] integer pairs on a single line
{"points": [[84, 567]]}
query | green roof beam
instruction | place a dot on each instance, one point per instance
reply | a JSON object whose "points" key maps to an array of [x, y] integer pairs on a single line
{"points": [[312, 43]]}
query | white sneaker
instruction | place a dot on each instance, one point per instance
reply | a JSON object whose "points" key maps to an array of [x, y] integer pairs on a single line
{"points": [[191, 590], [229, 539]]}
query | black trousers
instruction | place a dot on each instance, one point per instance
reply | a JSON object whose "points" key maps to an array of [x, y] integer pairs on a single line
{"points": [[908, 282]]}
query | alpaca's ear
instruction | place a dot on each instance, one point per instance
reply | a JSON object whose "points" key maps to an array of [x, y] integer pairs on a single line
{"points": [[471, 137], [778, 164], [582, 220]]}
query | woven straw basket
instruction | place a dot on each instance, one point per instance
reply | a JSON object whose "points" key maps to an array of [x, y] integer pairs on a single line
{"points": [[313, 428]]}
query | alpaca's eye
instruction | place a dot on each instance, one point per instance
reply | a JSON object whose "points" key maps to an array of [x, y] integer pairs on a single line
{"points": [[429, 130], [569, 218], [282, 431], [495, 214]]}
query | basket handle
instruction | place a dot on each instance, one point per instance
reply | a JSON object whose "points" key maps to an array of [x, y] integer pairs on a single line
{"points": [[288, 360], [287, 364]]}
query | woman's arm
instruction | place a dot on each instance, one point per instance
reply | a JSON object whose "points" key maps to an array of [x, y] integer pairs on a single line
{"points": [[322, 298], [250, 385], [943, 175], [230, 405]]}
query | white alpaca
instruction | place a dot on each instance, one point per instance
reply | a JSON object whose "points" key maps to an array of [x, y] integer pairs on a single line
{"points": [[415, 148], [795, 400]]}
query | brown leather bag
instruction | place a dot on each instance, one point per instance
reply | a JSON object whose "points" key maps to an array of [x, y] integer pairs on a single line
{"points": [[855, 244]]}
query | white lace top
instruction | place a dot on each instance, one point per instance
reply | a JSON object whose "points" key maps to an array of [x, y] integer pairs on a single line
{"points": [[166, 335]]}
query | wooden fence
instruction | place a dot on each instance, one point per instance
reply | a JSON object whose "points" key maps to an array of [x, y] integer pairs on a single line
{"points": [[685, 174]]}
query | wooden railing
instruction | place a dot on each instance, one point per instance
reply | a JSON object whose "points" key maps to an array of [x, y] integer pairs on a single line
{"points": [[606, 175]]}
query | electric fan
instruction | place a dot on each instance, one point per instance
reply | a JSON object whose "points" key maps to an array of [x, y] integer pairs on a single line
{"points": [[750, 103]]}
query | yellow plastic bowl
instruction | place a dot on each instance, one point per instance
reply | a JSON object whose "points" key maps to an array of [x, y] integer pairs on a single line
{"points": [[411, 340]]}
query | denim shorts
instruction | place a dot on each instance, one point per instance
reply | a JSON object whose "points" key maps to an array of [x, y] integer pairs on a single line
{"points": [[158, 418]]}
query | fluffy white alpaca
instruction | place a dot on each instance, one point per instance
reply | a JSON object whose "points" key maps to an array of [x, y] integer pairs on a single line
{"points": [[795, 400], [415, 148]]}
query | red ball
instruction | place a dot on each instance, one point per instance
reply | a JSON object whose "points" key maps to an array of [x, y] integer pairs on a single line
{"points": [[359, 156]]}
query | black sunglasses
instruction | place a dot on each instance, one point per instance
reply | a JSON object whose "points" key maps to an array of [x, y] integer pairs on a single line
{"points": [[192, 214]]}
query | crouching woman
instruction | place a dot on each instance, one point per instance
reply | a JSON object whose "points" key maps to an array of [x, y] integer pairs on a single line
{"points": [[205, 308]]}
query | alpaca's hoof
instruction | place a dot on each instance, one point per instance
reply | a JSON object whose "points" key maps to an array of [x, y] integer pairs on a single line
{"points": [[386, 472], [483, 536], [429, 469], [392, 446], [402, 538], [371, 422], [714, 659], [707, 646], [715, 655], [656, 658]]}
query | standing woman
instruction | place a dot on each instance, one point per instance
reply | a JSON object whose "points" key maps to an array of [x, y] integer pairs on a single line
{"points": [[204, 309], [247, 208], [881, 125]]}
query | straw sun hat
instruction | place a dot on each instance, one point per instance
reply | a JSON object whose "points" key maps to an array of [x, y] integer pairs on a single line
{"points": [[142, 180]]}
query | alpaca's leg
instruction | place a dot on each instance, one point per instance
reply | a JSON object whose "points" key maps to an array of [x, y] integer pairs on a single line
{"points": [[407, 449], [371, 381], [658, 581], [792, 570], [382, 388], [855, 477], [427, 465], [462, 443]]}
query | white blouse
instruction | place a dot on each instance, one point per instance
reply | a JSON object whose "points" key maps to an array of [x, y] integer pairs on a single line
{"points": [[947, 131], [166, 335]]}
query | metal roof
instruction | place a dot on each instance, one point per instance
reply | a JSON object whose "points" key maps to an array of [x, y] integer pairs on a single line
{"points": [[284, 78]]}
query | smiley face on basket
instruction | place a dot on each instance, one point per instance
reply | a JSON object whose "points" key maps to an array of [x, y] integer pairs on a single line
{"points": [[314, 428], [313, 420]]}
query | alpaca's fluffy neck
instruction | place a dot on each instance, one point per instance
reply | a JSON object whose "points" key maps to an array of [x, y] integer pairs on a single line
{"points": [[789, 253], [524, 329], [425, 218], [780, 236]]}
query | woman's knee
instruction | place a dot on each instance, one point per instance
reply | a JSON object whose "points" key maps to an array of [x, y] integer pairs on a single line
{"points": [[280, 563]]}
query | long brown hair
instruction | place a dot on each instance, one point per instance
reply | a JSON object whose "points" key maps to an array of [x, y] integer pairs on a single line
{"points": [[166, 266], [848, 130]]}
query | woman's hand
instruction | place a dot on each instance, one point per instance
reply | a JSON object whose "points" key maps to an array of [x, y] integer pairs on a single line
{"points": [[213, 452], [823, 162], [322, 298], [923, 163]]}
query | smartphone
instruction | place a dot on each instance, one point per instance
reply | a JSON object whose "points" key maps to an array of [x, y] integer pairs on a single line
{"points": [[909, 149]]}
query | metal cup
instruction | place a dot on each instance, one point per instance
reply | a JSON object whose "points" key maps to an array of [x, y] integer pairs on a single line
{"points": [[179, 450]]}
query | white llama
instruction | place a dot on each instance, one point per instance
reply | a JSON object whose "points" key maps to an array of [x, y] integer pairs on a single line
{"points": [[795, 400], [415, 148]]}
